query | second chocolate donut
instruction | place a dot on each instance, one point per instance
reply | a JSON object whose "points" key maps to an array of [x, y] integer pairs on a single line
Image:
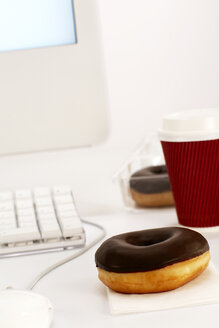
{"points": [[150, 187]]}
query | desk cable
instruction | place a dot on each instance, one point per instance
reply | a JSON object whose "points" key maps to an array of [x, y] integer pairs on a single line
{"points": [[72, 257]]}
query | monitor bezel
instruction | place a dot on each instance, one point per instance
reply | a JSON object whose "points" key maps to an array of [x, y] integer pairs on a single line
{"points": [[36, 113]]}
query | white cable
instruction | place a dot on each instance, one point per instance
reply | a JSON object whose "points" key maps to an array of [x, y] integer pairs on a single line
{"points": [[72, 257]]}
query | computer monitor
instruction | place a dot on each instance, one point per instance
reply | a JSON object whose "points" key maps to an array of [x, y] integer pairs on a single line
{"points": [[52, 85]]}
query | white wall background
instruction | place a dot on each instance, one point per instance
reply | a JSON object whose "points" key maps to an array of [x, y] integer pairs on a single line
{"points": [[161, 56]]}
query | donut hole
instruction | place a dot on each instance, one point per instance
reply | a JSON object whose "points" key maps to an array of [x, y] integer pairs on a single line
{"points": [[160, 169], [146, 243], [149, 242]]}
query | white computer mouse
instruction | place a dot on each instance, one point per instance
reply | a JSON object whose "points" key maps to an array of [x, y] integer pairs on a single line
{"points": [[24, 309]]}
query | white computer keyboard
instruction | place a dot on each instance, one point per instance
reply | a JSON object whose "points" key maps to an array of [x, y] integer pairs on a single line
{"points": [[39, 220]]}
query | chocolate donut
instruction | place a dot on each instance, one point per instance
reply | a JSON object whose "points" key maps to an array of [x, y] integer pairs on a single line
{"points": [[151, 187], [152, 260]]}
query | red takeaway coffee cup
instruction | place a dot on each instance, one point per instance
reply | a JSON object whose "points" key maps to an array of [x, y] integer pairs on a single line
{"points": [[190, 142]]}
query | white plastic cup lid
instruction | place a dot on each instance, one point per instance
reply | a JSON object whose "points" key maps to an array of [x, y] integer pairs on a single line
{"points": [[191, 125]]}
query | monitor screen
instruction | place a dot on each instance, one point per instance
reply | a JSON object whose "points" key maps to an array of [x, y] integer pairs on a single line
{"points": [[27, 24]]}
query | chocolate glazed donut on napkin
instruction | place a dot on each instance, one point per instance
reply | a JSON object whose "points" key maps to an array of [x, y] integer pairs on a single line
{"points": [[152, 261], [150, 187]]}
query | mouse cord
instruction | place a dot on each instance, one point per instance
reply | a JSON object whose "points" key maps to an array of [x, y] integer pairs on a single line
{"points": [[72, 257]]}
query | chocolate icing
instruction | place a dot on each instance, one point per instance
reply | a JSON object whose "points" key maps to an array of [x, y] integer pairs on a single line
{"points": [[151, 180], [148, 250]]}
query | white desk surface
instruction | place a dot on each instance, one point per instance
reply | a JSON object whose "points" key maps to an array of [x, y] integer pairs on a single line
{"points": [[78, 297]]}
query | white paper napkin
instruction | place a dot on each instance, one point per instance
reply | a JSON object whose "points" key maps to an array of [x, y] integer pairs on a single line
{"points": [[202, 290]]}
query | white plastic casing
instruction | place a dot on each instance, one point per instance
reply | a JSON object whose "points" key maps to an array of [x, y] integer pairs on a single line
{"points": [[55, 97], [24, 309]]}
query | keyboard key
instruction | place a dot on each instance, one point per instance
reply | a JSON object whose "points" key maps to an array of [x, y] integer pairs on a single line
{"points": [[8, 225], [47, 217], [44, 201], [61, 190], [71, 227], [50, 230], [65, 208], [45, 210], [67, 214], [19, 235], [30, 224], [25, 212], [10, 215], [30, 218], [8, 220], [23, 194], [7, 206], [5, 196], [63, 199], [23, 204], [41, 192]]}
